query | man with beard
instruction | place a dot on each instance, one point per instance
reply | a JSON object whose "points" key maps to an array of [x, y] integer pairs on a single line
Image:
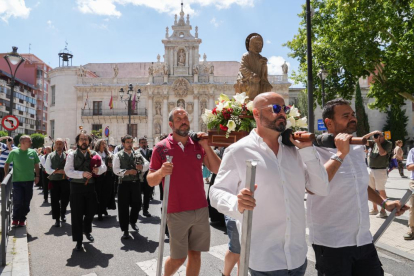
{"points": [[60, 188], [339, 223], [146, 189], [278, 242], [129, 190], [187, 211], [83, 198]]}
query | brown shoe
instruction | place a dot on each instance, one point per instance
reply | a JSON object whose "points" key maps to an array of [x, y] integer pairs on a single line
{"points": [[409, 236]]}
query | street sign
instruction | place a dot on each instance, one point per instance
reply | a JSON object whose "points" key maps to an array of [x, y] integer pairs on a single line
{"points": [[107, 131], [321, 125], [10, 122], [387, 135]]}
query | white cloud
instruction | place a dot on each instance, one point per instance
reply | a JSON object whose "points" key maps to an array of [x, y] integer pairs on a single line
{"points": [[15, 8], [109, 7], [215, 22], [36, 5], [274, 65], [268, 41]]}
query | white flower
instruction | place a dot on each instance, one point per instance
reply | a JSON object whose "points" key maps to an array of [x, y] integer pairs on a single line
{"points": [[220, 107], [223, 97], [249, 106], [228, 104], [294, 112], [290, 122], [208, 116], [302, 122], [231, 125], [240, 98]]}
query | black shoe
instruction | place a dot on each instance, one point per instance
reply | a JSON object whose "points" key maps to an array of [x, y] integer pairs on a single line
{"points": [[403, 176], [146, 214], [106, 213], [125, 235], [63, 218], [166, 232], [57, 224], [45, 201], [100, 217], [89, 237], [78, 246], [134, 226]]}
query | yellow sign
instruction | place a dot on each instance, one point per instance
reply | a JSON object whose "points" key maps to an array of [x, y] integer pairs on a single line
{"points": [[387, 135]]}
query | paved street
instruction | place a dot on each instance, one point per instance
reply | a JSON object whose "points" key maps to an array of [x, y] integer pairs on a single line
{"points": [[51, 249]]}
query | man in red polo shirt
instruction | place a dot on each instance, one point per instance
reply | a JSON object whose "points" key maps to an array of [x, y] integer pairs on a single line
{"points": [[187, 213]]}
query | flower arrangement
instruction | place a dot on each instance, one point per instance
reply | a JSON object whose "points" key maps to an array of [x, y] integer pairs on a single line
{"points": [[231, 114], [236, 114]]}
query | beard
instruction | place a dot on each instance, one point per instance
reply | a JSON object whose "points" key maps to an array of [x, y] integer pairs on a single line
{"points": [[182, 132], [351, 127], [84, 146], [274, 124]]}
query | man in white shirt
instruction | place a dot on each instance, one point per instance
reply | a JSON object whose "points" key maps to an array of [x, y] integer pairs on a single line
{"points": [[339, 223], [45, 180], [278, 243]]}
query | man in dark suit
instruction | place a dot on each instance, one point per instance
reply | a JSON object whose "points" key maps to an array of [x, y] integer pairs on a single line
{"points": [[146, 189]]}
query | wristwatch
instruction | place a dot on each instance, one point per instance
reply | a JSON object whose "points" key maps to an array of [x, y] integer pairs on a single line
{"points": [[337, 158]]}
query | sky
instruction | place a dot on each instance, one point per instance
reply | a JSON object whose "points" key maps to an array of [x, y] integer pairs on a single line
{"points": [[116, 31]]}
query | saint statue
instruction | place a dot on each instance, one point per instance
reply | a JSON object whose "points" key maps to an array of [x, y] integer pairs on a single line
{"points": [[158, 58], [252, 77], [116, 70], [285, 68], [166, 69], [212, 69], [150, 70], [181, 58], [204, 57], [195, 69], [157, 108]]}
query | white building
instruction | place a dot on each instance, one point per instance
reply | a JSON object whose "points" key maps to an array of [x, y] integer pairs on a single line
{"points": [[80, 96]]}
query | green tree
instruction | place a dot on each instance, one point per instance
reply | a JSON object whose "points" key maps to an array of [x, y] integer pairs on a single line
{"points": [[396, 123], [97, 133], [363, 124], [16, 139], [354, 39], [38, 140], [3, 133]]}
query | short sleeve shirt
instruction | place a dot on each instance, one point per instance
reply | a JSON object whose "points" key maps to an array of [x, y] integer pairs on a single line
{"points": [[186, 191], [23, 164], [375, 160]]}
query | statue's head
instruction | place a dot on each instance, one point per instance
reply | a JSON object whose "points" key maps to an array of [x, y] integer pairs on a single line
{"points": [[254, 43]]}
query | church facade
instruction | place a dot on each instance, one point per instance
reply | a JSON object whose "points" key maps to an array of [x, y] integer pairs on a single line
{"points": [[88, 96]]}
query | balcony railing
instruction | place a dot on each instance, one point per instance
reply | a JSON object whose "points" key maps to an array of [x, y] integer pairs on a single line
{"points": [[113, 112]]}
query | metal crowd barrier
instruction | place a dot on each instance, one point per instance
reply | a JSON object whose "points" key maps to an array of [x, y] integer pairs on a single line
{"points": [[6, 209]]}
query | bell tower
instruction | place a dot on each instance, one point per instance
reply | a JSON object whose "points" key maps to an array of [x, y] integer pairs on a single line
{"points": [[181, 47]]}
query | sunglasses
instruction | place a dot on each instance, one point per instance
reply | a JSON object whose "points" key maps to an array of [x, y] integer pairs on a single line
{"points": [[277, 108]]}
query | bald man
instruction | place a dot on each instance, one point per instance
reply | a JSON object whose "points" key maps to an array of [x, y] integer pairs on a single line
{"points": [[278, 244]]}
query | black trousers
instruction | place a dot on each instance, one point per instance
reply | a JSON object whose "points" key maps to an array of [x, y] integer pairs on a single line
{"points": [[347, 261], [60, 194], [147, 190], [83, 208], [129, 195], [45, 185], [103, 188]]}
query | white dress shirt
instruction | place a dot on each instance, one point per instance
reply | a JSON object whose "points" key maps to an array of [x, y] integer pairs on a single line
{"points": [[116, 165], [410, 160], [278, 228], [342, 218], [43, 160], [70, 170], [48, 164]]}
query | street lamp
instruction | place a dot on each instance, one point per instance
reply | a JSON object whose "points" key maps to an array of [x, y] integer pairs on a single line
{"points": [[128, 100], [311, 118], [323, 74], [14, 59]]}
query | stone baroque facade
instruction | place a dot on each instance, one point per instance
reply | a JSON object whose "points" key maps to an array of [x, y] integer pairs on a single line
{"points": [[181, 80]]}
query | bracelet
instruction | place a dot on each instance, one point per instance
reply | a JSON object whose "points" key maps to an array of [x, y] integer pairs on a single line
{"points": [[383, 202]]}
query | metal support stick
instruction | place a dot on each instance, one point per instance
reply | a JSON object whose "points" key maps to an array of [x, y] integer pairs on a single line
{"points": [[247, 220], [163, 220], [391, 217]]}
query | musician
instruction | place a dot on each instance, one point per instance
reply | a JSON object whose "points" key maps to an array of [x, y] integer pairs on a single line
{"points": [[146, 189], [83, 198], [45, 180], [104, 182], [60, 187], [339, 222], [129, 165]]}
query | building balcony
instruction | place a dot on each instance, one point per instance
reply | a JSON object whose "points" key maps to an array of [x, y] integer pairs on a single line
{"points": [[113, 112]]}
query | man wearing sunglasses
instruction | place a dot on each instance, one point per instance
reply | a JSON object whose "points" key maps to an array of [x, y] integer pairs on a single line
{"points": [[278, 243]]}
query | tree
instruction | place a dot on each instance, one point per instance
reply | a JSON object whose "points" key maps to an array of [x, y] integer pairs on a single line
{"points": [[97, 133], [3, 133], [38, 140], [363, 124], [396, 123], [354, 39], [16, 139], [302, 102]]}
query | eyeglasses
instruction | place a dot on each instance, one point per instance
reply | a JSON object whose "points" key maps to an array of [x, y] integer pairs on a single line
{"points": [[277, 108]]}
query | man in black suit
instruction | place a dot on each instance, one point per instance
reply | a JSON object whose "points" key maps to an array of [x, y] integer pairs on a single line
{"points": [[146, 189]]}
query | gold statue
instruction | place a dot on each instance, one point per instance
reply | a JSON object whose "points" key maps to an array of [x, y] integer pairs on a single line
{"points": [[252, 77]]}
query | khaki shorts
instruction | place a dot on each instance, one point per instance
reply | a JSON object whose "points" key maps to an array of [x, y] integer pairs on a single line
{"points": [[189, 230], [377, 179]]}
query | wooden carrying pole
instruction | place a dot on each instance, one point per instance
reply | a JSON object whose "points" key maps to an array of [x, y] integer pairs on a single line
{"points": [[247, 220], [391, 217], [163, 220]]}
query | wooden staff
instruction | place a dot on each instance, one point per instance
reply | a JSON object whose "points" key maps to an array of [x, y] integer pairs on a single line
{"points": [[247, 220], [163, 220]]}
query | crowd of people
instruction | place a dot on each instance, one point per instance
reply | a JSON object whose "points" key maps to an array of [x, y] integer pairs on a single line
{"points": [[337, 181]]}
